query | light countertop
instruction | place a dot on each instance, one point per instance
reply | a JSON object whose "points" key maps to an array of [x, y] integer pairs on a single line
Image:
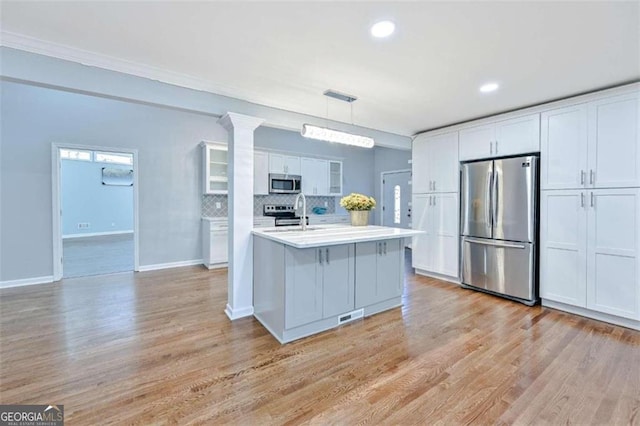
{"points": [[329, 235]]}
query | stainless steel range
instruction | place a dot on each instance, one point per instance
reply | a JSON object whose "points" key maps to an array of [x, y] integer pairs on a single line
{"points": [[285, 214]]}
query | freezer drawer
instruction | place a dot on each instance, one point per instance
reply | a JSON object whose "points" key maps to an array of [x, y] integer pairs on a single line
{"points": [[499, 266]]}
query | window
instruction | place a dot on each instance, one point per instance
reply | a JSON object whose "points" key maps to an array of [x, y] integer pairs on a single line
{"points": [[114, 158], [396, 204], [75, 154]]}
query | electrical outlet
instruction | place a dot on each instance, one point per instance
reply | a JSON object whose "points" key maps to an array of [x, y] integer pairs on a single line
{"points": [[218, 205], [84, 225], [326, 204]]}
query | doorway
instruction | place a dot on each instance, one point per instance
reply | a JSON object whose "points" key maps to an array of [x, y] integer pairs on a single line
{"points": [[396, 199], [94, 210]]}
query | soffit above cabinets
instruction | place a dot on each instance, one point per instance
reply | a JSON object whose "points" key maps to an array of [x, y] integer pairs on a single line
{"points": [[286, 54]]}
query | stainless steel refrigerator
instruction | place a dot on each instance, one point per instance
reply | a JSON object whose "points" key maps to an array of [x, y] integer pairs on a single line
{"points": [[499, 205]]}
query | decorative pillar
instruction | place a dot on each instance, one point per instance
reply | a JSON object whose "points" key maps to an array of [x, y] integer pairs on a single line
{"points": [[240, 173]]}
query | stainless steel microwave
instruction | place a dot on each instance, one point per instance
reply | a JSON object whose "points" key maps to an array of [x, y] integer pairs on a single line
{"points": [[284, 184]]}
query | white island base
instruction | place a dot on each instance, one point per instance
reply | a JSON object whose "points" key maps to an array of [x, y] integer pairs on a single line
{"points": [[305, 283]]}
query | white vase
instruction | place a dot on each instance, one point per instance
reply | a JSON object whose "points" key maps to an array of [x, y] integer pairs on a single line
{"points": [[359, 217]]}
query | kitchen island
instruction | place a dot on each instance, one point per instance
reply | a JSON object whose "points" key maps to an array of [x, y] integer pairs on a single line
{"points": [[305, 282]]}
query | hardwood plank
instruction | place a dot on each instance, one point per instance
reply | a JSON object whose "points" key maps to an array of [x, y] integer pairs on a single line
{"points": [[157, 348]]}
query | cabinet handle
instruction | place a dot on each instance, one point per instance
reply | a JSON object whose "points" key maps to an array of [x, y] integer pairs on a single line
{"points": [[385, 248], [434, 200], [320, 255], [327, 256], [582, 177], [434, 185], [582, 199], [380, 249], [496, 147], [591, 176], [592, 200], [490, 148]]}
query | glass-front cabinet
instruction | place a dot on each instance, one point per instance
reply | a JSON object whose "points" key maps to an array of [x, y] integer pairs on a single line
{"points": [[215, 167], [335, 177]]}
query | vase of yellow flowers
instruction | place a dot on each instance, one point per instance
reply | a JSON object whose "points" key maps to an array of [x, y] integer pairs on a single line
{"points": [[358, 206]]}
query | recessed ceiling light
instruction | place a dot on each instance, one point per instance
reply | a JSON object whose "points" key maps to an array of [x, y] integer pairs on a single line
{"points": [[489, 87], [383, 29]]}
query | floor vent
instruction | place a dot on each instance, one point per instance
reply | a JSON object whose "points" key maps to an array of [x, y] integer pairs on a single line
{"points": [[350, 316]]}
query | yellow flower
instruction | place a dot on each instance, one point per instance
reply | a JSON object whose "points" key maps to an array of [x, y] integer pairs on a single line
{"points": [[355, 201]]}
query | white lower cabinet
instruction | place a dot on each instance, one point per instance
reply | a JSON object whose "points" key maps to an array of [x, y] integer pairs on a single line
{"points": [[437, 250], [319, 283], [378, 271], [590, 246]]}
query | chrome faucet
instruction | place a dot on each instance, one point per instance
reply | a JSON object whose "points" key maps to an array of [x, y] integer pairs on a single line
{"points": [[304, 209]]}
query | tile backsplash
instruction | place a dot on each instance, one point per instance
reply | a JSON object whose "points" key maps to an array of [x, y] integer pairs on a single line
{"points": [[210, 203]]}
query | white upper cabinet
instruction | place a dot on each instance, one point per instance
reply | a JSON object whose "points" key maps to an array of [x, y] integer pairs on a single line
{"points": [[614, 154], [519, 135], [260, 173], [315, 176], [592, 145], [284, 164], [335, 177], [564, 148], [215, 168], [435, 166]]}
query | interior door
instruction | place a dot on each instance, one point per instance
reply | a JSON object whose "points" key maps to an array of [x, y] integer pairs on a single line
{"points": [[477, 181], [514, 199]]}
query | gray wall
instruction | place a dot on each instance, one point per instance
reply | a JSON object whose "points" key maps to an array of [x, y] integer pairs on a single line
{"points": [[169, 171], [387, 160], [106, 208]]}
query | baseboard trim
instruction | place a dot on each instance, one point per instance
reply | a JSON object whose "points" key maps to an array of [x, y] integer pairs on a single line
{"points": [[48, 279], [600, 316], [217, 265], [447, 278], [238, 313], [95, 234], [157, 266]]}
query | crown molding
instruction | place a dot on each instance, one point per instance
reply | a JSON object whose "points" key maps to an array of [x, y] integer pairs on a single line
{"points": [[111, 63]]}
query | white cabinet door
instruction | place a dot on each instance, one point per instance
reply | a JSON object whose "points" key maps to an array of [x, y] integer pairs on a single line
{"points": [[477, 142], [614, 151], [260, 173], [315, 176], [444, 244], [219, 251], [303, 287], [517, 136], [563, 242], [378, 274], [338, 279], [420, 170], [215, 168], [421, 221], [564, 148], [292, 165], [335, 178], [284, 164], [612, 249], [435, 166]]}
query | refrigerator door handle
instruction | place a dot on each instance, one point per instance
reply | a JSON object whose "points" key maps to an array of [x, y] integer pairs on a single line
{"points": [[496, 197], [487, 205], [495, 243]]}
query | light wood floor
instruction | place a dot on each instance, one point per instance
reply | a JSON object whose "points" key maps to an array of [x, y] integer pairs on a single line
{"points": [[156, 348], [98, 255]]}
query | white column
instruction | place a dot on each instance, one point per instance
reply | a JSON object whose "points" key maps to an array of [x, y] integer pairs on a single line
{"points": [[240, 172]]}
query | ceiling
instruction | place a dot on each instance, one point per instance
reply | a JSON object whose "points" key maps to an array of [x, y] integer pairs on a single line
{"points": [[426, 75]]}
